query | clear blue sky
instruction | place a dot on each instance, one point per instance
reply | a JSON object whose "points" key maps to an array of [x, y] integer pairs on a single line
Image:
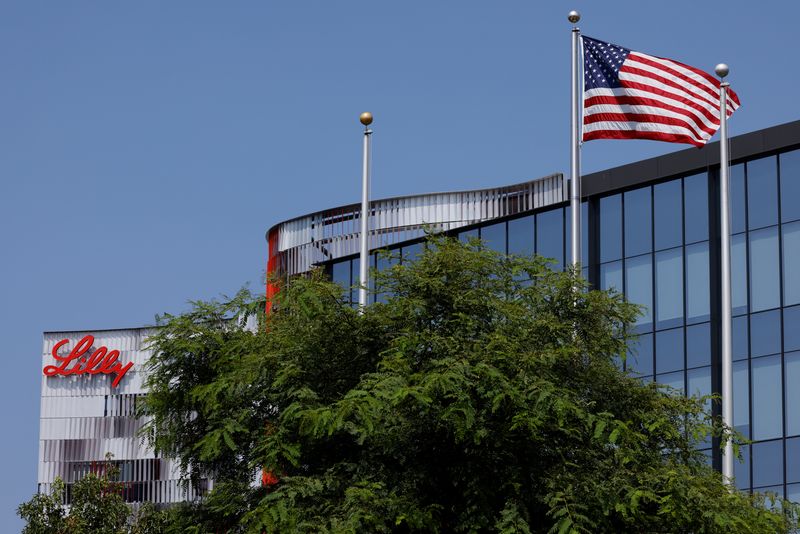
{"points": [[146, 148]]}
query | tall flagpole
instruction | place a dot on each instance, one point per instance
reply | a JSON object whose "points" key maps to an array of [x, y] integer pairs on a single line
{"points": [[725, 257], [575, 155], [363, 275]]}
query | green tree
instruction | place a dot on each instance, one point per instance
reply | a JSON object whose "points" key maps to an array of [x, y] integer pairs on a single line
{"points": [[482, 396]]}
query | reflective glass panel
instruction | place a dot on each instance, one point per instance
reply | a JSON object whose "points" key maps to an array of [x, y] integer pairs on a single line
{"points": [[790, 185], [737, 198], [467, 235], [765, 333], [550, 235], [494, 237], [793, 493], [740, 338], [638, 222], [765, 391], [741, 398], [739, 274], [791, 261], [669, 288], [673, 380], [610, 228], [669, 350], [767, 463], [520, 236], [639, 286], [411, 252], [791, 328], [793, 460], [741, 470], [792, 393], [698, 293], [384, 263], [611, 276], [698, 345], [640, 355], [698, 383], [341, 273], [764, 272], [695, 199], [762, 192], [668, 215]]}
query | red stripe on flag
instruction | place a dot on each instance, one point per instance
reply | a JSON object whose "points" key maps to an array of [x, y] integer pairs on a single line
{"points": [[637, 118], [703, 87], [633, 134], [638, 101]]}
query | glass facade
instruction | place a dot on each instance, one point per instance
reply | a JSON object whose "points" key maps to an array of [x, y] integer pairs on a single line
{"points": [[657, 244]]}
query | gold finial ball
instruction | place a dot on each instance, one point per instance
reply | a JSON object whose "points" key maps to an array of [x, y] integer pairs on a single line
{"points": [[573, 16], [366, 118]]}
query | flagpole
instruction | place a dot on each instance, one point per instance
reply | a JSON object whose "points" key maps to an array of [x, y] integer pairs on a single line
{"points": [[575, 159], [363, 276], [725, 258]]}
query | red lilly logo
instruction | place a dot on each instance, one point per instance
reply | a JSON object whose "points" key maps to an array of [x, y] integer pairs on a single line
{"points": [[100, 361]]}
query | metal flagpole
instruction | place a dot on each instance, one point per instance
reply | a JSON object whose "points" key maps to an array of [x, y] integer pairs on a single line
{"points": [[725, 258], [363, 276], [575, 158]]}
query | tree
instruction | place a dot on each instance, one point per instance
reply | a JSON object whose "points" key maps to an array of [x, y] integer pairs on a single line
{"points": [[484, 395]]}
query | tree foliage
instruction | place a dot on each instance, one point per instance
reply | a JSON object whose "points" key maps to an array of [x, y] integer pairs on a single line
{"points": [[483, 395]]}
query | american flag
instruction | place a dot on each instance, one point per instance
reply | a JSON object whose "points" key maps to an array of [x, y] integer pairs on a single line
{"points": [[631, 95]]}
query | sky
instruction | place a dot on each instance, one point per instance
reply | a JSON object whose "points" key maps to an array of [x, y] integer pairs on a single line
{"points": [[146, 147]]}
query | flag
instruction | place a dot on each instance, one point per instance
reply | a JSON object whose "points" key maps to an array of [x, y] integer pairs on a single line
{"points": [[631, 95]]}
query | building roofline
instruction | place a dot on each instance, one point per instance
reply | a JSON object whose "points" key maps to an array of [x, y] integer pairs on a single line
{"points": [[90, 330]]}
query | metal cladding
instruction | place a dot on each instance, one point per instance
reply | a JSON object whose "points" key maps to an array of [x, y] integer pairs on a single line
{"points": [[295, 246], [83, 418]]}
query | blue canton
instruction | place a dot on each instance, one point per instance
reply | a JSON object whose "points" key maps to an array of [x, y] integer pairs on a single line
{"points": [[601, 64]]}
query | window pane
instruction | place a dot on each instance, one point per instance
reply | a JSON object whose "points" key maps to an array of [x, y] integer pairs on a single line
{"points": [[738, 274], [766, 393], [494, 237], [669, 288], [737, 198], [584, 233], [793, 493], [520, 236], [610, 228], [638, 225], [767, 463], [793, 460], [611, 276], [341, 273], [467, 235], [698, 383], [550, 235], [741, 470], [384, 263], [741, 398], [411, 252], [669, 350], [668, 215], [698, 345], [639, 286], [695, 199], [791, 328], [791, 261], [697, 283], [673, 380], [764, 272], [792, 393], [740, 338], [790, 185], [762, 192], [640, 355], [765, 333]]}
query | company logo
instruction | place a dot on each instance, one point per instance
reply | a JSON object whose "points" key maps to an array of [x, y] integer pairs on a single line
{"points": [[98, 361]]}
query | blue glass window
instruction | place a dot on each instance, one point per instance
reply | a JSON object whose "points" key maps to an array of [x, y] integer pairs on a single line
{"points": [[494, 237], [639, 286], [739, 274], [669, 350], [698, 293], [791, 328], [550, 235], [740, 338], [764, 272], [767, 463], [765, 391], [762, 192], [765, 333], [668, 215], [384, 263], [793, 493], [791, 261], [790, 185], [673, 380], [669, 288], [520, 236], [793, 460], [698, 383], [695, 198], [737, 199], [640, 355], [611, 276], [610, 228], [698, 345], [411, 252], [792, 393], [638, 222], [341, 274], [467, 235], [741, 470], [741, 398]]}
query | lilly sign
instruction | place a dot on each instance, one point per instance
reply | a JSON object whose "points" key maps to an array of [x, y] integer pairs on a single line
{"points": [[77, 362]]}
